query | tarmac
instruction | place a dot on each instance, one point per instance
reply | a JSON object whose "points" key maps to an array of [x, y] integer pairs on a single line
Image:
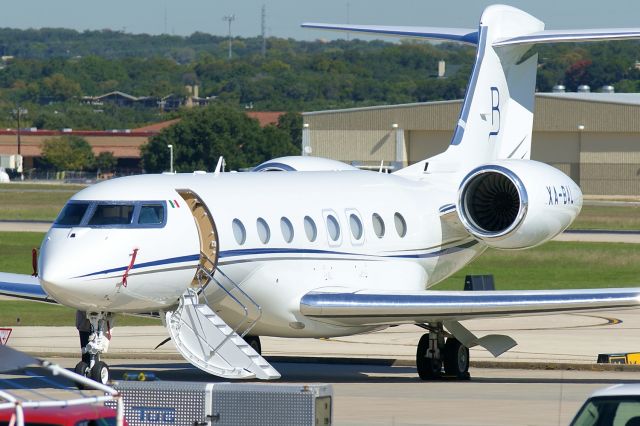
{"points": [[541, 381]]}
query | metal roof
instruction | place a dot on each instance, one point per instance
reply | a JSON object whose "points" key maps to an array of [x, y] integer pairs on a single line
{"points": [[559, 112]]}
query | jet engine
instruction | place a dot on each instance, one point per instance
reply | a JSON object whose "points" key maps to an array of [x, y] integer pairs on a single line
{"points": [[514, 204]]}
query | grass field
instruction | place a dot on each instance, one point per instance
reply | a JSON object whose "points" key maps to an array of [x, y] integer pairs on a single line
{"points": [[608, 217], [33, 201], [556, 265]]}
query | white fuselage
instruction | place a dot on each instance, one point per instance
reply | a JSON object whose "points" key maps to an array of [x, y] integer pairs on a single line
{"points": [[83, 266]]}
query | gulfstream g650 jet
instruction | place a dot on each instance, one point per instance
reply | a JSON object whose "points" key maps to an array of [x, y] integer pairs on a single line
{"points": [[323, 249]]}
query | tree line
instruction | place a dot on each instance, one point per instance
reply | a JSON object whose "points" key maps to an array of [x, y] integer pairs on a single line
{"points": [[53, 68]]}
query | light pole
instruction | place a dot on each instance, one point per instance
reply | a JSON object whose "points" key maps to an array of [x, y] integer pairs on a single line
{"points": [[170, 158], [19, 112]]}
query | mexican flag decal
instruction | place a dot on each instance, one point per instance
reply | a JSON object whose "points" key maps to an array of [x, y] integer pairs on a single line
{"points": [[174, 204]]}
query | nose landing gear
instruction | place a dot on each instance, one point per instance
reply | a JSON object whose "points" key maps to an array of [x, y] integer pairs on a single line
{"points": [[93, 344]]}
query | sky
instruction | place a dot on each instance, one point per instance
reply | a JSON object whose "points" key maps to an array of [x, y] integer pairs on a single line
{"points": [[283, 17]]}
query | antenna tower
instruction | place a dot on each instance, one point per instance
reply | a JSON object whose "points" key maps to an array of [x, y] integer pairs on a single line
{"points": [[229, 19]]}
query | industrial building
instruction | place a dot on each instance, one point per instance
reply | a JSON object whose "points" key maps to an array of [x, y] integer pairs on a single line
{"points": [[593, 137]]}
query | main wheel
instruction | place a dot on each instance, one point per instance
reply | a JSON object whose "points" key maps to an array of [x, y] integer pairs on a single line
{"points": [[100, 372], [254, 342], [428, 368], [456, 359]]}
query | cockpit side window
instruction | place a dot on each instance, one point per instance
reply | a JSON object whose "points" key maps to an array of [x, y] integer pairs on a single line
{"points": [[72, 214], [112, 214], [151, 214]]}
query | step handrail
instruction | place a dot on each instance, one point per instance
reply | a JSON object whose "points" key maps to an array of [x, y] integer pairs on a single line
{"points": [[211, 275]]}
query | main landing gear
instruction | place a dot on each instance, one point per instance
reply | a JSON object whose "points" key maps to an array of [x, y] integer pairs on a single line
{"points": [[97, 342], [435, 352]]}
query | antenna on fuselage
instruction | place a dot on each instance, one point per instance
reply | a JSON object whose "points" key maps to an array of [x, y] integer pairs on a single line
{"points": [[220, 166]]}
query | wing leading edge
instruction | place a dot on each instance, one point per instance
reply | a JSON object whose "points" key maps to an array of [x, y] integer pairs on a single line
{"points": [[23, 287], [376, 308]]}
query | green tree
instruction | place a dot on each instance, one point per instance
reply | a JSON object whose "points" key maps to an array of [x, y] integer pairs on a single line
{"points": [[105, 162], [291, 123], [203, 135], [68, 153]]}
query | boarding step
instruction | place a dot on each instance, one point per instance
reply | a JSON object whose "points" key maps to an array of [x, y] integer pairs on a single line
{"points": [[207, 342]]}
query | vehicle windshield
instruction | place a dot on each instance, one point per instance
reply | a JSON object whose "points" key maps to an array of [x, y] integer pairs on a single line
{"points": [[609, 411], [72, 214], [112, 214]]}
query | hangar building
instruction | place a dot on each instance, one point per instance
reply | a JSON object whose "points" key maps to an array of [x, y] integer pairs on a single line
{"points": [[593, 137]]}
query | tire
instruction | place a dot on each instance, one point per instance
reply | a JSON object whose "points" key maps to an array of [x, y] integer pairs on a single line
{"points": [[456, 359], [82, 368], [100, 372], [254, 342], [428, 368]]}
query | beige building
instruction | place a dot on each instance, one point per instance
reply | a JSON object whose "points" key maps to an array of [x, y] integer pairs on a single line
{"points": [[593, 137]]}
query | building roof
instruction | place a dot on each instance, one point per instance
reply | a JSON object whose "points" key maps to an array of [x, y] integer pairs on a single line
{"points": [[554, 112], [156, 127], [265, 117]]}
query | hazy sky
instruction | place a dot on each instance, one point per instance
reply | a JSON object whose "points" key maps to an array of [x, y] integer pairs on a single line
{"points": [[184, 17]]}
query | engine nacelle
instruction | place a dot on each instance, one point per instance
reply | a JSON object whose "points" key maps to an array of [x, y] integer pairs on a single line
{"points": [[513, 204]]}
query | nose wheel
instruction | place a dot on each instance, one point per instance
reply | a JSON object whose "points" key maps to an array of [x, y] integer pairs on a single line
{"points": [[93, 344], [437, 357]]}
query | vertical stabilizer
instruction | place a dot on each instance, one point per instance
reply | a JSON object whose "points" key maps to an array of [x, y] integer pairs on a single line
{"points": [[497, 113]]}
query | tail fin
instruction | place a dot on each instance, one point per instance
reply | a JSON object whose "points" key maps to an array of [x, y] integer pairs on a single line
{"points": [[497, 113], [496, 119]]}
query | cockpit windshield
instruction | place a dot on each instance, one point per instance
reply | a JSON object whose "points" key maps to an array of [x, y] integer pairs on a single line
{"points": [[72, 214], [113, 214]]}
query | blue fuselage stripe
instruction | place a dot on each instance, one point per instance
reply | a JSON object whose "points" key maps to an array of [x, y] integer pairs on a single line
{"points": [[179, 259], [279, 251]]}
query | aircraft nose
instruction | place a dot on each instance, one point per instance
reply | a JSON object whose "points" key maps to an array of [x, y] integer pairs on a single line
{"points": [[58, 267]]}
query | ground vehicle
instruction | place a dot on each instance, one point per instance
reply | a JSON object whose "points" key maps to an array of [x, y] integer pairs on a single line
{"points": [[78, 415], [617, 405]]}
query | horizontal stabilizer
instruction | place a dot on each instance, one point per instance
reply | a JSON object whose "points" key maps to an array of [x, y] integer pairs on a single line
{"points": [[23, 286], [565, 36], [462, 35], [371, 307]]}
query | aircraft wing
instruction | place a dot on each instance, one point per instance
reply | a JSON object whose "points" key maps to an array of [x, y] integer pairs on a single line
{"points": [[371, 307], [23, 287]]}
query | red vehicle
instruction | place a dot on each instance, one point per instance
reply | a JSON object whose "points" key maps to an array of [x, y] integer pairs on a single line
{"points": [[75, 415]]}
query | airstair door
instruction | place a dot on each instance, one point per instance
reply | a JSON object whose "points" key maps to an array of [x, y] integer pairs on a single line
{"points": [[207, 232]]}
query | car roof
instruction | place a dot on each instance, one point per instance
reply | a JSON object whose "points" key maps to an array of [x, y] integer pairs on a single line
{"points": [[58, 414], [626, 389]]}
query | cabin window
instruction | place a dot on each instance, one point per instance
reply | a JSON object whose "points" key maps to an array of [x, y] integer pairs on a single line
{"points": [[401, 225], [378, 225], [333, 227], [112, 214], [310, 229], [264, 233], [151, 214], [239, 233], [287, 229], [356, 226], [72, 214]]}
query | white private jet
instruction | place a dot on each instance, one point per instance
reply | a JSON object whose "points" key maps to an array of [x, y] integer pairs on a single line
{"points": [[323, 249]]}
